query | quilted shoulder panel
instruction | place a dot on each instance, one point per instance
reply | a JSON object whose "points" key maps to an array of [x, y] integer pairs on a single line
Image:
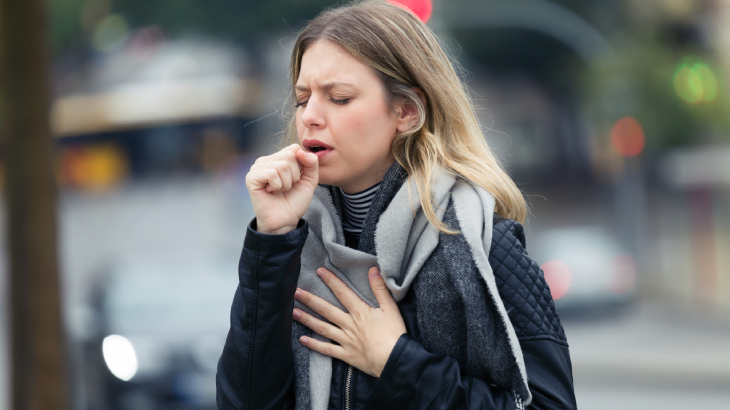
{"points": [[522, 285]]}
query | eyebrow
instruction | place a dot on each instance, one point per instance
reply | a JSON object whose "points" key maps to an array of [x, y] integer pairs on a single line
{"points": [[326, 86]]}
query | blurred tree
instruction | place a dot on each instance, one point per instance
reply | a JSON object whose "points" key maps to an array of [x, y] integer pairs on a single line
{"points": [[37, 348], [242, 21], [640, 79], [65, 24]]}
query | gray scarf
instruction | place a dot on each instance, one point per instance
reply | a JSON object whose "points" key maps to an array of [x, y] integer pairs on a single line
{"points": [[407, 245]]}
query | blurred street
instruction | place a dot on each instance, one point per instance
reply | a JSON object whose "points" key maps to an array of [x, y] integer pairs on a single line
{"points": [[650, 356]]}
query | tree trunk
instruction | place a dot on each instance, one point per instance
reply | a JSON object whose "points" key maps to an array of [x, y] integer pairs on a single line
{"points": [[37, 342]]}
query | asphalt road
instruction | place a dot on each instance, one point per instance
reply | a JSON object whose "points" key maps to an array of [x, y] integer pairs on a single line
{"points": [[649, 356]]}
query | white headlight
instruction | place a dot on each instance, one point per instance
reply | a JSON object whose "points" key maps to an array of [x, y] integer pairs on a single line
{"points": [[119, 356]]}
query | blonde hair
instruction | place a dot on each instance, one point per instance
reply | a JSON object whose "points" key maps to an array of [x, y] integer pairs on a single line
{"points": [[405, 54]]}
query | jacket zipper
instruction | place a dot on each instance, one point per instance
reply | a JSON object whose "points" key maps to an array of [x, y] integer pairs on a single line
{"points": [[348, 381]]}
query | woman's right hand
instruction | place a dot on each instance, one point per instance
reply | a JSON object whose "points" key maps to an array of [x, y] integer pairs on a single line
{"points": [[281, 186]]}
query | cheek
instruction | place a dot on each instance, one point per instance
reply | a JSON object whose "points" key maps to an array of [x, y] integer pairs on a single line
{"points": [[299, 126], [375, 127]]}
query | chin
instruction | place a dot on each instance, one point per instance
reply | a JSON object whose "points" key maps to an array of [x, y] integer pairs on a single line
{"points": [[325, 178]]}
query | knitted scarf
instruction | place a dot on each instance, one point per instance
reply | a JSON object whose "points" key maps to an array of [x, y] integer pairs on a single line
{"points": [[398, 239]]}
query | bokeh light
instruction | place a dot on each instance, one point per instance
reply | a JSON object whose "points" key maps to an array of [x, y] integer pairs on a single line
{"points": [[558, 277], [627, 137], [93, 167], [695, 83], [110, 32], [708, 80], [625, 274], [421, 8]]}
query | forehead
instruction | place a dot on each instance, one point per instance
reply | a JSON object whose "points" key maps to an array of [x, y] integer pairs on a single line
{"points": [[325, 62]]}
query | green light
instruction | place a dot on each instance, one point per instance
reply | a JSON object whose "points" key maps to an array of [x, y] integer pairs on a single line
{"points": [[688, 85], [695, 83], [709, 82], [110, 32]]}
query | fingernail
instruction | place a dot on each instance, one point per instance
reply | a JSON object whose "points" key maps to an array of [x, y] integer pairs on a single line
{"points": [[320, 272], [374, 273], [303, 340], [297, 294], [297, 314]]}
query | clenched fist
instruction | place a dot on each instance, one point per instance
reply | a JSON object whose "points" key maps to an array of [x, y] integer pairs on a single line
{"points": [[281, 186]]}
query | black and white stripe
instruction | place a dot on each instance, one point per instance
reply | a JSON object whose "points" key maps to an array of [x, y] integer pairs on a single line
{"points": [[355, 207]]}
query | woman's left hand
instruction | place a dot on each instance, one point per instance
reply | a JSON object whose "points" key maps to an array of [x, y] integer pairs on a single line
{"points": [[366, 335]]}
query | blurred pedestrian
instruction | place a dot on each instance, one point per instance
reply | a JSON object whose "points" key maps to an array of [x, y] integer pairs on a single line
{"points": [[386, 265]]}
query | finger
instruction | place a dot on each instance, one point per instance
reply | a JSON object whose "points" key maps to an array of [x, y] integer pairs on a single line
{"points": [[321, 327], [261, 160], [284, 170], [327, 349], [343, 293], [296, 167], [310, 166], [324, 308], [380, 290], [289, 154], [267, 179], [282, 155]]}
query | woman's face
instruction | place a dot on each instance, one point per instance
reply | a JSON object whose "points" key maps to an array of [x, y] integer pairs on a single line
{"points": [[344, 118]]}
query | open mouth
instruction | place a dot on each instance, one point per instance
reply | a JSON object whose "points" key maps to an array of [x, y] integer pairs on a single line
{"points": [[319, 148]]}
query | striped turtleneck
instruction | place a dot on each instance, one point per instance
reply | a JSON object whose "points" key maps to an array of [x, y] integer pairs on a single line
{"points": [[355, 207]]}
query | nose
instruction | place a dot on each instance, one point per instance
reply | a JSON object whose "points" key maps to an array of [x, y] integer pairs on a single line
{"points": [[313, 117]]}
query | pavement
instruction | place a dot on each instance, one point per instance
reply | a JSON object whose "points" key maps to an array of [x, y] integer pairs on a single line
{"points": [[651, 356], [653, 342]]}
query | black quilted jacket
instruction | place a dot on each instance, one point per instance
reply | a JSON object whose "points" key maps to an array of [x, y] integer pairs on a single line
{"points": [[255, 370]]}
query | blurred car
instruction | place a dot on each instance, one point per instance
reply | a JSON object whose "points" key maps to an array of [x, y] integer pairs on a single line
{"points": [[160, 328], [585, 267]]}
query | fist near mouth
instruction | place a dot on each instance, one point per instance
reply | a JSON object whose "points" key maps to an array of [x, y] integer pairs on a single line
{"points": [[281, 186]]}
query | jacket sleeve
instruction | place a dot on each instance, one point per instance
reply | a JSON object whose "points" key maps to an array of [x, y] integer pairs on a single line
{"points": [[256, 368], [414, 378]]}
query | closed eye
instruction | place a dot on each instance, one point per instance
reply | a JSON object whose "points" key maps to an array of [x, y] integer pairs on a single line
{"points": [[340, 102], [299, 104]]}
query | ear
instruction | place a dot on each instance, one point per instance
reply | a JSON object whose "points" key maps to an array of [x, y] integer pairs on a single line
{"points": [[408, 113]]}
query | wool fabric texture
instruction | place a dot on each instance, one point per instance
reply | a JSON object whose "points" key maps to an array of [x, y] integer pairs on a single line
{"points": [[460, 311]]}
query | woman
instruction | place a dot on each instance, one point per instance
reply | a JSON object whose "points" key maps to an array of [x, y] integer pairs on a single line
{"points": [[356, 289]]}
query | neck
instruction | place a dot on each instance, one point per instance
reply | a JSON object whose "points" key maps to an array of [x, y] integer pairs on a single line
{"points": [[355, 208]]}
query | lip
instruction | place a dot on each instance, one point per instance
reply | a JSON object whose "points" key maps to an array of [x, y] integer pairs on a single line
{"points": [[307, 143]]}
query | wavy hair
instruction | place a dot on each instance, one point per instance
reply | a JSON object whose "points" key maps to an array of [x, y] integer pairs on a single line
{"points": [[405, 54]]}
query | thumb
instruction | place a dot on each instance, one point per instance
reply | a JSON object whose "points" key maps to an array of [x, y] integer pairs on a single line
{"points": [[310, 166], [380, 290]]}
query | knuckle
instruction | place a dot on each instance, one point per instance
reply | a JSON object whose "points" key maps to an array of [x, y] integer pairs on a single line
{"points": [[360, 314], [339, 294], [326, 311], [323, 330]]}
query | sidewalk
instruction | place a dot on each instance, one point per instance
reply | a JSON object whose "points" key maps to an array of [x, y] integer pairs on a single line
{"points": [[652, 344]]}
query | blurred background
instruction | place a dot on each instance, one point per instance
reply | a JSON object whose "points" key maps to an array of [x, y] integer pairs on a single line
{"points": [[612, 117]]}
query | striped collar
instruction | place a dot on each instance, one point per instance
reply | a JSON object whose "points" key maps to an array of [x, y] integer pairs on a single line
{"points": [[355, 208]]}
